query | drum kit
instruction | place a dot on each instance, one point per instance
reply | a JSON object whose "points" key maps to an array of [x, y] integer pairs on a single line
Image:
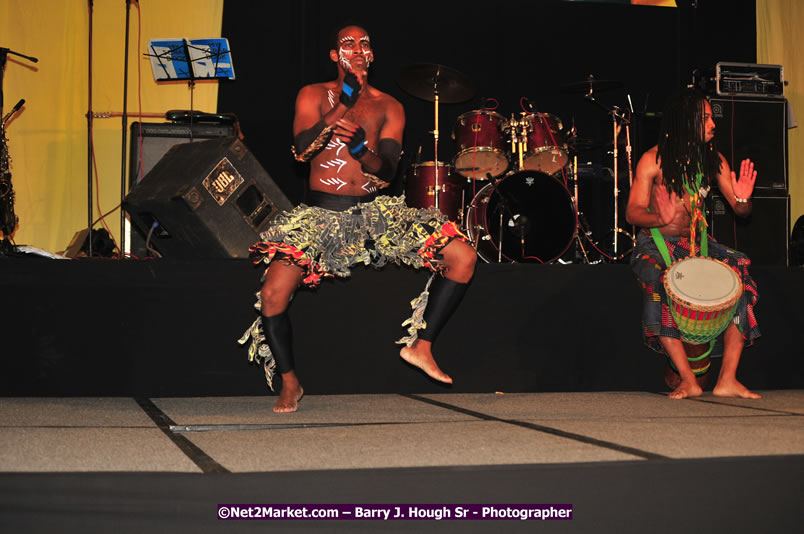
{"points": [[510, 184]]}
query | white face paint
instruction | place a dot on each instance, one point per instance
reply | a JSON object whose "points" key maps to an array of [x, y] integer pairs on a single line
{"points": [[353, 45]]}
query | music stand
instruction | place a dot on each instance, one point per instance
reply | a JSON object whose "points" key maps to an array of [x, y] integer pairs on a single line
{"points": [[195, 59]]}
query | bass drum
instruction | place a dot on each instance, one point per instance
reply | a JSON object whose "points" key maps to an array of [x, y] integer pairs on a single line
{"points": [[526, 217]]}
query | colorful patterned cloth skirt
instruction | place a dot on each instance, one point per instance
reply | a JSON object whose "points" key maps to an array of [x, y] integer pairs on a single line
{"points": [[648, 265], [328, 243]]}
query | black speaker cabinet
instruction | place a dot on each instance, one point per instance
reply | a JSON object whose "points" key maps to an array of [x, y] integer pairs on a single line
{"points": [[763, 235], [205, 199], [158, 138], [754, 129]]}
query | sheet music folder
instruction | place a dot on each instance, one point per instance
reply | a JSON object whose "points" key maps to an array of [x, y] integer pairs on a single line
{"points": [[193, 59]]}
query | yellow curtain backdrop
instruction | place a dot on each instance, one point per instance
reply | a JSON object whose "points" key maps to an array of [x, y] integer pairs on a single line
{"points": [[48, 139], [778, 24]]}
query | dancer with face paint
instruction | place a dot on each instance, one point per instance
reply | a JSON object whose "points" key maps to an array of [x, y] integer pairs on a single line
{"points": [[351, 133], [667, 197]]}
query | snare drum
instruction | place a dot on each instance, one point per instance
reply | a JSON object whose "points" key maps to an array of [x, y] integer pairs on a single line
{"points": [[547, 147], [703, 294], [420, 188], [525, 217], [481, 147]]}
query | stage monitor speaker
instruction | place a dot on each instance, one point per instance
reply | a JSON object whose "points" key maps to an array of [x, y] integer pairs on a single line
{"points": [[763, 235], [754, 129], [158, 138], [205, 199]]}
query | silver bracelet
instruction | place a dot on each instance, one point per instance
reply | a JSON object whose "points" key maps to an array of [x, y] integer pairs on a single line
{"points": [[741, 200]]}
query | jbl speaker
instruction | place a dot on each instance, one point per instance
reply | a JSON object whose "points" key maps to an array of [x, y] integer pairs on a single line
{"points": [[157, 138], [755, 129], [205, 199], [763, 235]]}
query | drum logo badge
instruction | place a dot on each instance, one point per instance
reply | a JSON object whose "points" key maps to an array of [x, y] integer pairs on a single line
{"points": [[529, 180]]}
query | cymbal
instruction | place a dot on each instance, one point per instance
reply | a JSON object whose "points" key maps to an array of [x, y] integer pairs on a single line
{"points": [[423, 79], [589, 85]]}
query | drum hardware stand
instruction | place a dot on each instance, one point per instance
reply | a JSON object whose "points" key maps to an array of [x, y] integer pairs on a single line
{"points": [[519, 130], [436, 188], [617, 118], [581, 227], [424, 80]]}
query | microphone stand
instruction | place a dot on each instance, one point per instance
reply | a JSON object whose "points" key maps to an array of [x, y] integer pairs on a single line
{"points": [[125, 136]]}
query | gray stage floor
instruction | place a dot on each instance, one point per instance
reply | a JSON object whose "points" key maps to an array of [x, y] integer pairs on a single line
{"points": [[242, 434], [625, 461]]}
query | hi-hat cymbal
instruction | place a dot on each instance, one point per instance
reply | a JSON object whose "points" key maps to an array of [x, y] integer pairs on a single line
{"points": [[590, 85], [422, 80]]}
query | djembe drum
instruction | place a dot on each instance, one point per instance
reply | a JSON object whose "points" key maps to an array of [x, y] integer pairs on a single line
{"points": [[703, 294]]}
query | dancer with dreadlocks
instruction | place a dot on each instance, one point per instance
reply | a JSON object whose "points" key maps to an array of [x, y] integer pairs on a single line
{"points": [[672, 180]]}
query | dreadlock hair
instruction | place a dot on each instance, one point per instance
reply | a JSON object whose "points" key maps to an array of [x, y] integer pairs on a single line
{"points": [[682, 149]]}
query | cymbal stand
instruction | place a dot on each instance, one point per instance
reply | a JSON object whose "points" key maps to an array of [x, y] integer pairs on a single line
{"points": [[581, 228], [436, 187], [628, 158], [617, 118]]}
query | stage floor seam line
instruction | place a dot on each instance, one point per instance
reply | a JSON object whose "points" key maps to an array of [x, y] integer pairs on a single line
{"points": [[720, 403], [182, 429], [212, 427], [91, 427], [205, 462], [755, 408], [545, 429]]}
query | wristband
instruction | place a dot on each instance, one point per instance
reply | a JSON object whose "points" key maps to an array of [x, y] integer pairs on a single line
{"points": [[357, 143], [358, 151], [350, 90]]}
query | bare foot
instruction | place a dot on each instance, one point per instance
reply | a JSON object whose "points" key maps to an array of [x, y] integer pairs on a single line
{"points": [[733, 388], [289, 397], [421, 356], [687, 388]]}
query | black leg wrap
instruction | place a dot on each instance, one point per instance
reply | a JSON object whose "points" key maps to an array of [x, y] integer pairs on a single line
{"points": [[445, 295], [279, 337]]}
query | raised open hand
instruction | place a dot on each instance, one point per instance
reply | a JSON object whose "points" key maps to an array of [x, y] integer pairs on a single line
{"points": [[744, 186]]}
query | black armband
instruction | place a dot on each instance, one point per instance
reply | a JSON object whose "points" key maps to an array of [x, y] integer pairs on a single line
{"points": [[310, 141], [389, 152]]}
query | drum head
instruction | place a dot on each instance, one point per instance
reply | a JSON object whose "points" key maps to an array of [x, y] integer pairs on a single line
{"points": [[528, 216], [703, 282]]}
